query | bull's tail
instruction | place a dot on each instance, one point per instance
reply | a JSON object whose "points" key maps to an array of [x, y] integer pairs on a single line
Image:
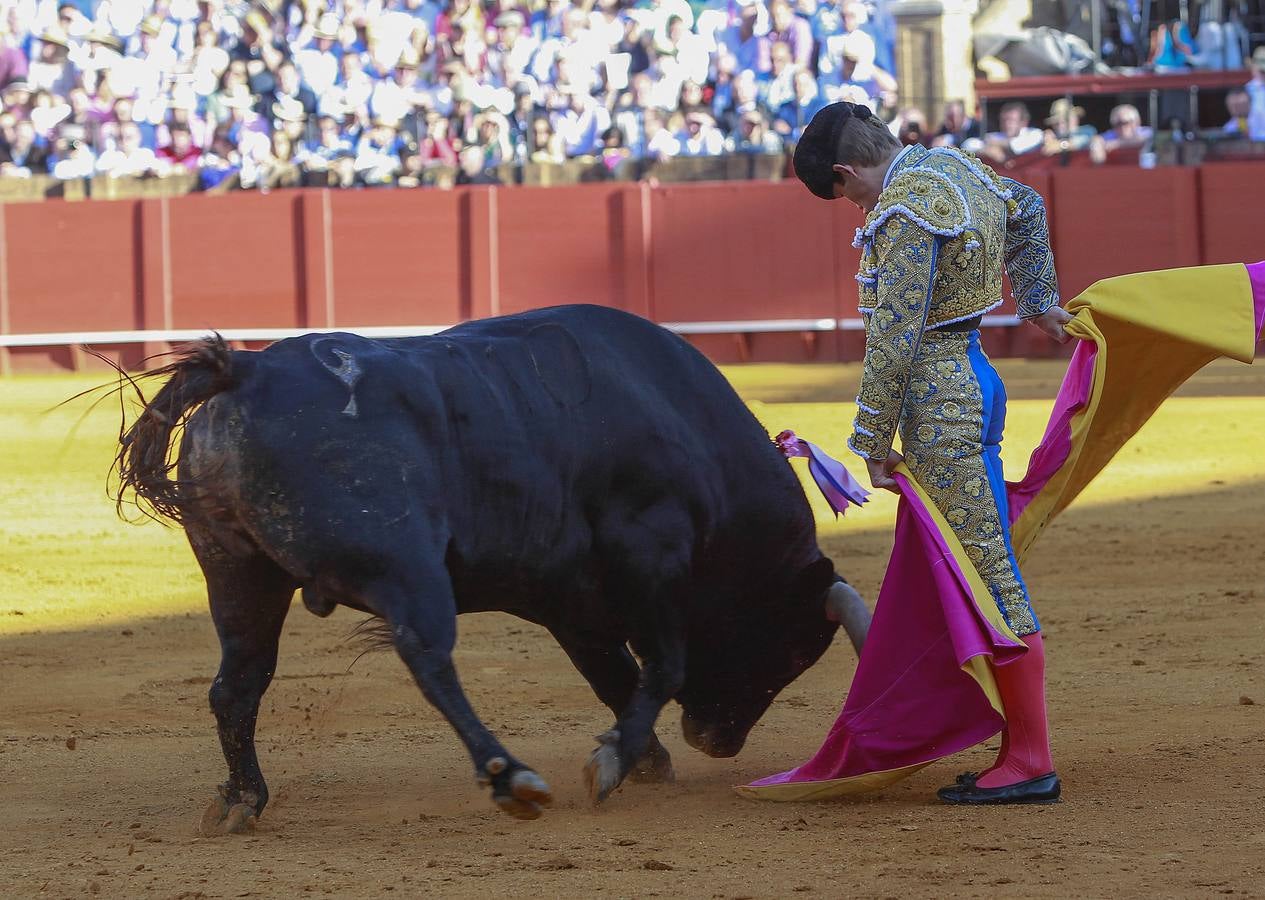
{"points": [[145, 463]]}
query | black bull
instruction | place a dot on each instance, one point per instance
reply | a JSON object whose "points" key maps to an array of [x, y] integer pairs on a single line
{"points": [[577, 467]]}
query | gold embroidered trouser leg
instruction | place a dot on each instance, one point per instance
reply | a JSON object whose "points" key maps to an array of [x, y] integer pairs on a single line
{"points": [[951, 430]]}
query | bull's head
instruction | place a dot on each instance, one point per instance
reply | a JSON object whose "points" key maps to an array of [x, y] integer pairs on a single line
{"points": [[740, 662]]}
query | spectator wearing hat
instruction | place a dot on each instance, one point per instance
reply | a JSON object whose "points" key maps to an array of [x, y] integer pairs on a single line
{"points": [[104, 52], [180, 151], [512, 50], [402, 93], [261, 50], [16, 97], [320, 61], [794, 115], [1064, 130], [700, 136], [51, 70], [24, 155]]}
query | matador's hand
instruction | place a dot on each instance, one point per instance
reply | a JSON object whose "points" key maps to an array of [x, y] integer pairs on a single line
{"points": [[881, 472], [1052, 322]]}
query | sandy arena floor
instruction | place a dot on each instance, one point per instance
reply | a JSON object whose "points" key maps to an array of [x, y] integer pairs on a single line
{"points": [[1152, 592]]}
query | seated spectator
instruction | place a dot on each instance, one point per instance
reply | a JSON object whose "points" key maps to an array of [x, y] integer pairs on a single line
{"points": [[745, 43], [290, 90], [1016, 137], [660, 142], [474, 169], [47, 112], [209, 60], [74, 153], [856, 17], [378, 160], [1064, 131], [1239, 105], [581, 124], [23, 155], [857, 69], [957, 127], [330, 159], [700, 136], [280, 169], [180, 151], [546, 144], [792, 30], [777, 86], [16, 97], [743, 99], [1256, 91], [793, 117], [753, 136], [51, 71], [614, 148], [220, 167], [910, 127], [1127, 132], [130, 158], [437, 147]]}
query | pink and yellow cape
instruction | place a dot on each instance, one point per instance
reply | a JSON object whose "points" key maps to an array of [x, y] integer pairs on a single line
{"points": [[924, 685]]}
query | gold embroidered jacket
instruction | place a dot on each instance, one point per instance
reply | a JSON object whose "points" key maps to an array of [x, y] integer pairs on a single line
{"points": [[932, 252]]}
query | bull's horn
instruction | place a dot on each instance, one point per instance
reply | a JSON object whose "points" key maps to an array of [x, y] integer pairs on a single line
{"points": [[845, 606]]}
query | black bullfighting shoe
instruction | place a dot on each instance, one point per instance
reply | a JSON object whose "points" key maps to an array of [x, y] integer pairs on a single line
{"points": [[1043, 789]]}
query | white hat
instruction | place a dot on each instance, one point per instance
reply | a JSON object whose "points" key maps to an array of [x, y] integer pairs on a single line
{"points": [[328, 26]]}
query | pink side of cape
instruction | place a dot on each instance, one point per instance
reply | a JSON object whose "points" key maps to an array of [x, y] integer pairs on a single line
{"points": [[910, 701], [1256, 274]]}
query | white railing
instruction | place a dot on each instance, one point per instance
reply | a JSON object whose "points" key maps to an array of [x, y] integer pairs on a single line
{"points": [[179, 335]]}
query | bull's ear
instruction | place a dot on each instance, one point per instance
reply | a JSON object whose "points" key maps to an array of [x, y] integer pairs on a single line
{"points": [[813, 579]]}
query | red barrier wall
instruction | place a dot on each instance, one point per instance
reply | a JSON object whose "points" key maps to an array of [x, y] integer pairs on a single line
{"points": [[679, 253]]}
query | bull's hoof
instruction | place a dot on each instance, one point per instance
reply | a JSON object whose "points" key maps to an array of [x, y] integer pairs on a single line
{"points": [[655, 767], [528, 795], [602, 772], [222, 817]]}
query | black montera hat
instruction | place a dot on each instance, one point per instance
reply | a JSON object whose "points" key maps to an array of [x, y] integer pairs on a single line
{"points": [[817, 150]]}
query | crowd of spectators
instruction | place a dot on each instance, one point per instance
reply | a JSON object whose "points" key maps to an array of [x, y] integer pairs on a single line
{"points": [[374, 92]]}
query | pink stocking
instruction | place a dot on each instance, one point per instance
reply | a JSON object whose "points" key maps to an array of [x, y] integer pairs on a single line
{"points": [[1025, 747]]}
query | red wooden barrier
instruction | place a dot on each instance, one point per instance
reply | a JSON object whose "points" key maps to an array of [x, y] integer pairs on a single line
{"points": [[679, 253]]}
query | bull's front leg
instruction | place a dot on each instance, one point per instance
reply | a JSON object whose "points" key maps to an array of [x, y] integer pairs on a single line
{"points": [[623, 747], [423, 619]]}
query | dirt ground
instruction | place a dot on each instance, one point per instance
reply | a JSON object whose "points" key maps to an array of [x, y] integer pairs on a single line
{"points": [[1152, 599]]}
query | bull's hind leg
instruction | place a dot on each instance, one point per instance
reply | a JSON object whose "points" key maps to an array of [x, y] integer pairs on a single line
{"points": [[249, 600], [613, 674], [422, 614]]}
